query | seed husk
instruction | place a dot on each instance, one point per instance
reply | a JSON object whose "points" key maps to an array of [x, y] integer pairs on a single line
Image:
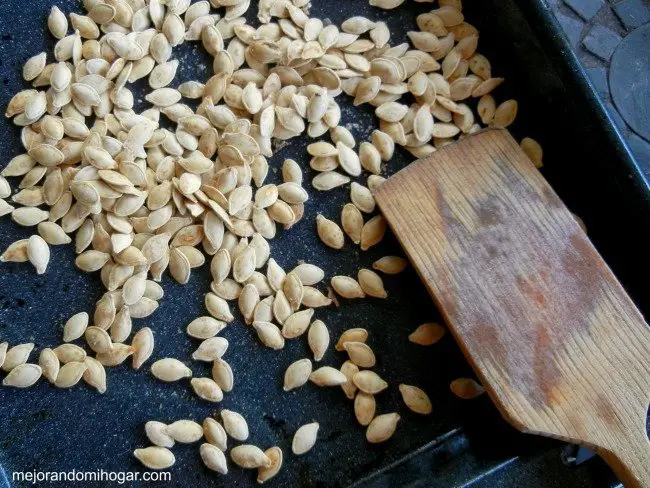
{"points": [[382, 427], [70, 373], [214, 458], [249, 456], [327, 376], [427, 334], [369, 382], [297, 374], [155, 457], [304, 438], [371, 283], [23, 376], [415, 399], [265, 473], [466, 388], [365, 406], [235, 425], [170, 369], [185, 431], [390, 264], [157, 434], [360, 354]]}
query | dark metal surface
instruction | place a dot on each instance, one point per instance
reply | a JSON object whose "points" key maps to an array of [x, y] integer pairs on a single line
{"points": [[461, 442]]}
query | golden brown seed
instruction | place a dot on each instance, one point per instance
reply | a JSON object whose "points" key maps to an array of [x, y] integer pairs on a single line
{"points": [[533, 150], [371, 283], [369, 382], [360, 354], [373, 232], [265, 473], [427, 334], [382, 427], [365, 406], [466, 388], [351, 335], [349, 369], [415, 399], [390, 264]]}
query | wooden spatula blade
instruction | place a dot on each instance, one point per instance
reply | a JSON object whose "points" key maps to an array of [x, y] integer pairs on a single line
{"points": [[560, 346]]}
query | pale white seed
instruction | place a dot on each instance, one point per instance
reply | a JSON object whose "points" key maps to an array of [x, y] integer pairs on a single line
{"points": [[70, 373], [297, 374], [222, 374], [235, 425], [349, 369], [185, 431], [170, 369], [157, 434], [207, 389], [95, 374], [22, 376], [382, 427], [17, 355], [155, 457], [304, 438], [214, 458], [142, 344], [49, 364], [249, 456], [318, 338]]}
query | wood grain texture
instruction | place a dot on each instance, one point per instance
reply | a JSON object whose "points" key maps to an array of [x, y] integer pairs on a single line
{"points": [[558, 344]]}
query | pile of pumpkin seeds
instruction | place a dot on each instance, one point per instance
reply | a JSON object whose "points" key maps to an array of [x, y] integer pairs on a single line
{"points": [[139, 199]]}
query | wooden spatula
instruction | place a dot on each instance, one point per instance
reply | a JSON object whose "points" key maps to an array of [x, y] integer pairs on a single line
{"points": [[558, 344]]}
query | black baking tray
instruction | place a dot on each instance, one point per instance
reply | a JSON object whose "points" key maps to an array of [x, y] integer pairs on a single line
{"points": [[462, 442]]}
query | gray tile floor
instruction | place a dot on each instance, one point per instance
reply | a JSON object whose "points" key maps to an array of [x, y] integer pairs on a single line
{"points": [[595, 28]]}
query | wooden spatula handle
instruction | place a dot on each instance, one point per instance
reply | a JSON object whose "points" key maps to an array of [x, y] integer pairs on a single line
{"points": [[630, 458]]}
